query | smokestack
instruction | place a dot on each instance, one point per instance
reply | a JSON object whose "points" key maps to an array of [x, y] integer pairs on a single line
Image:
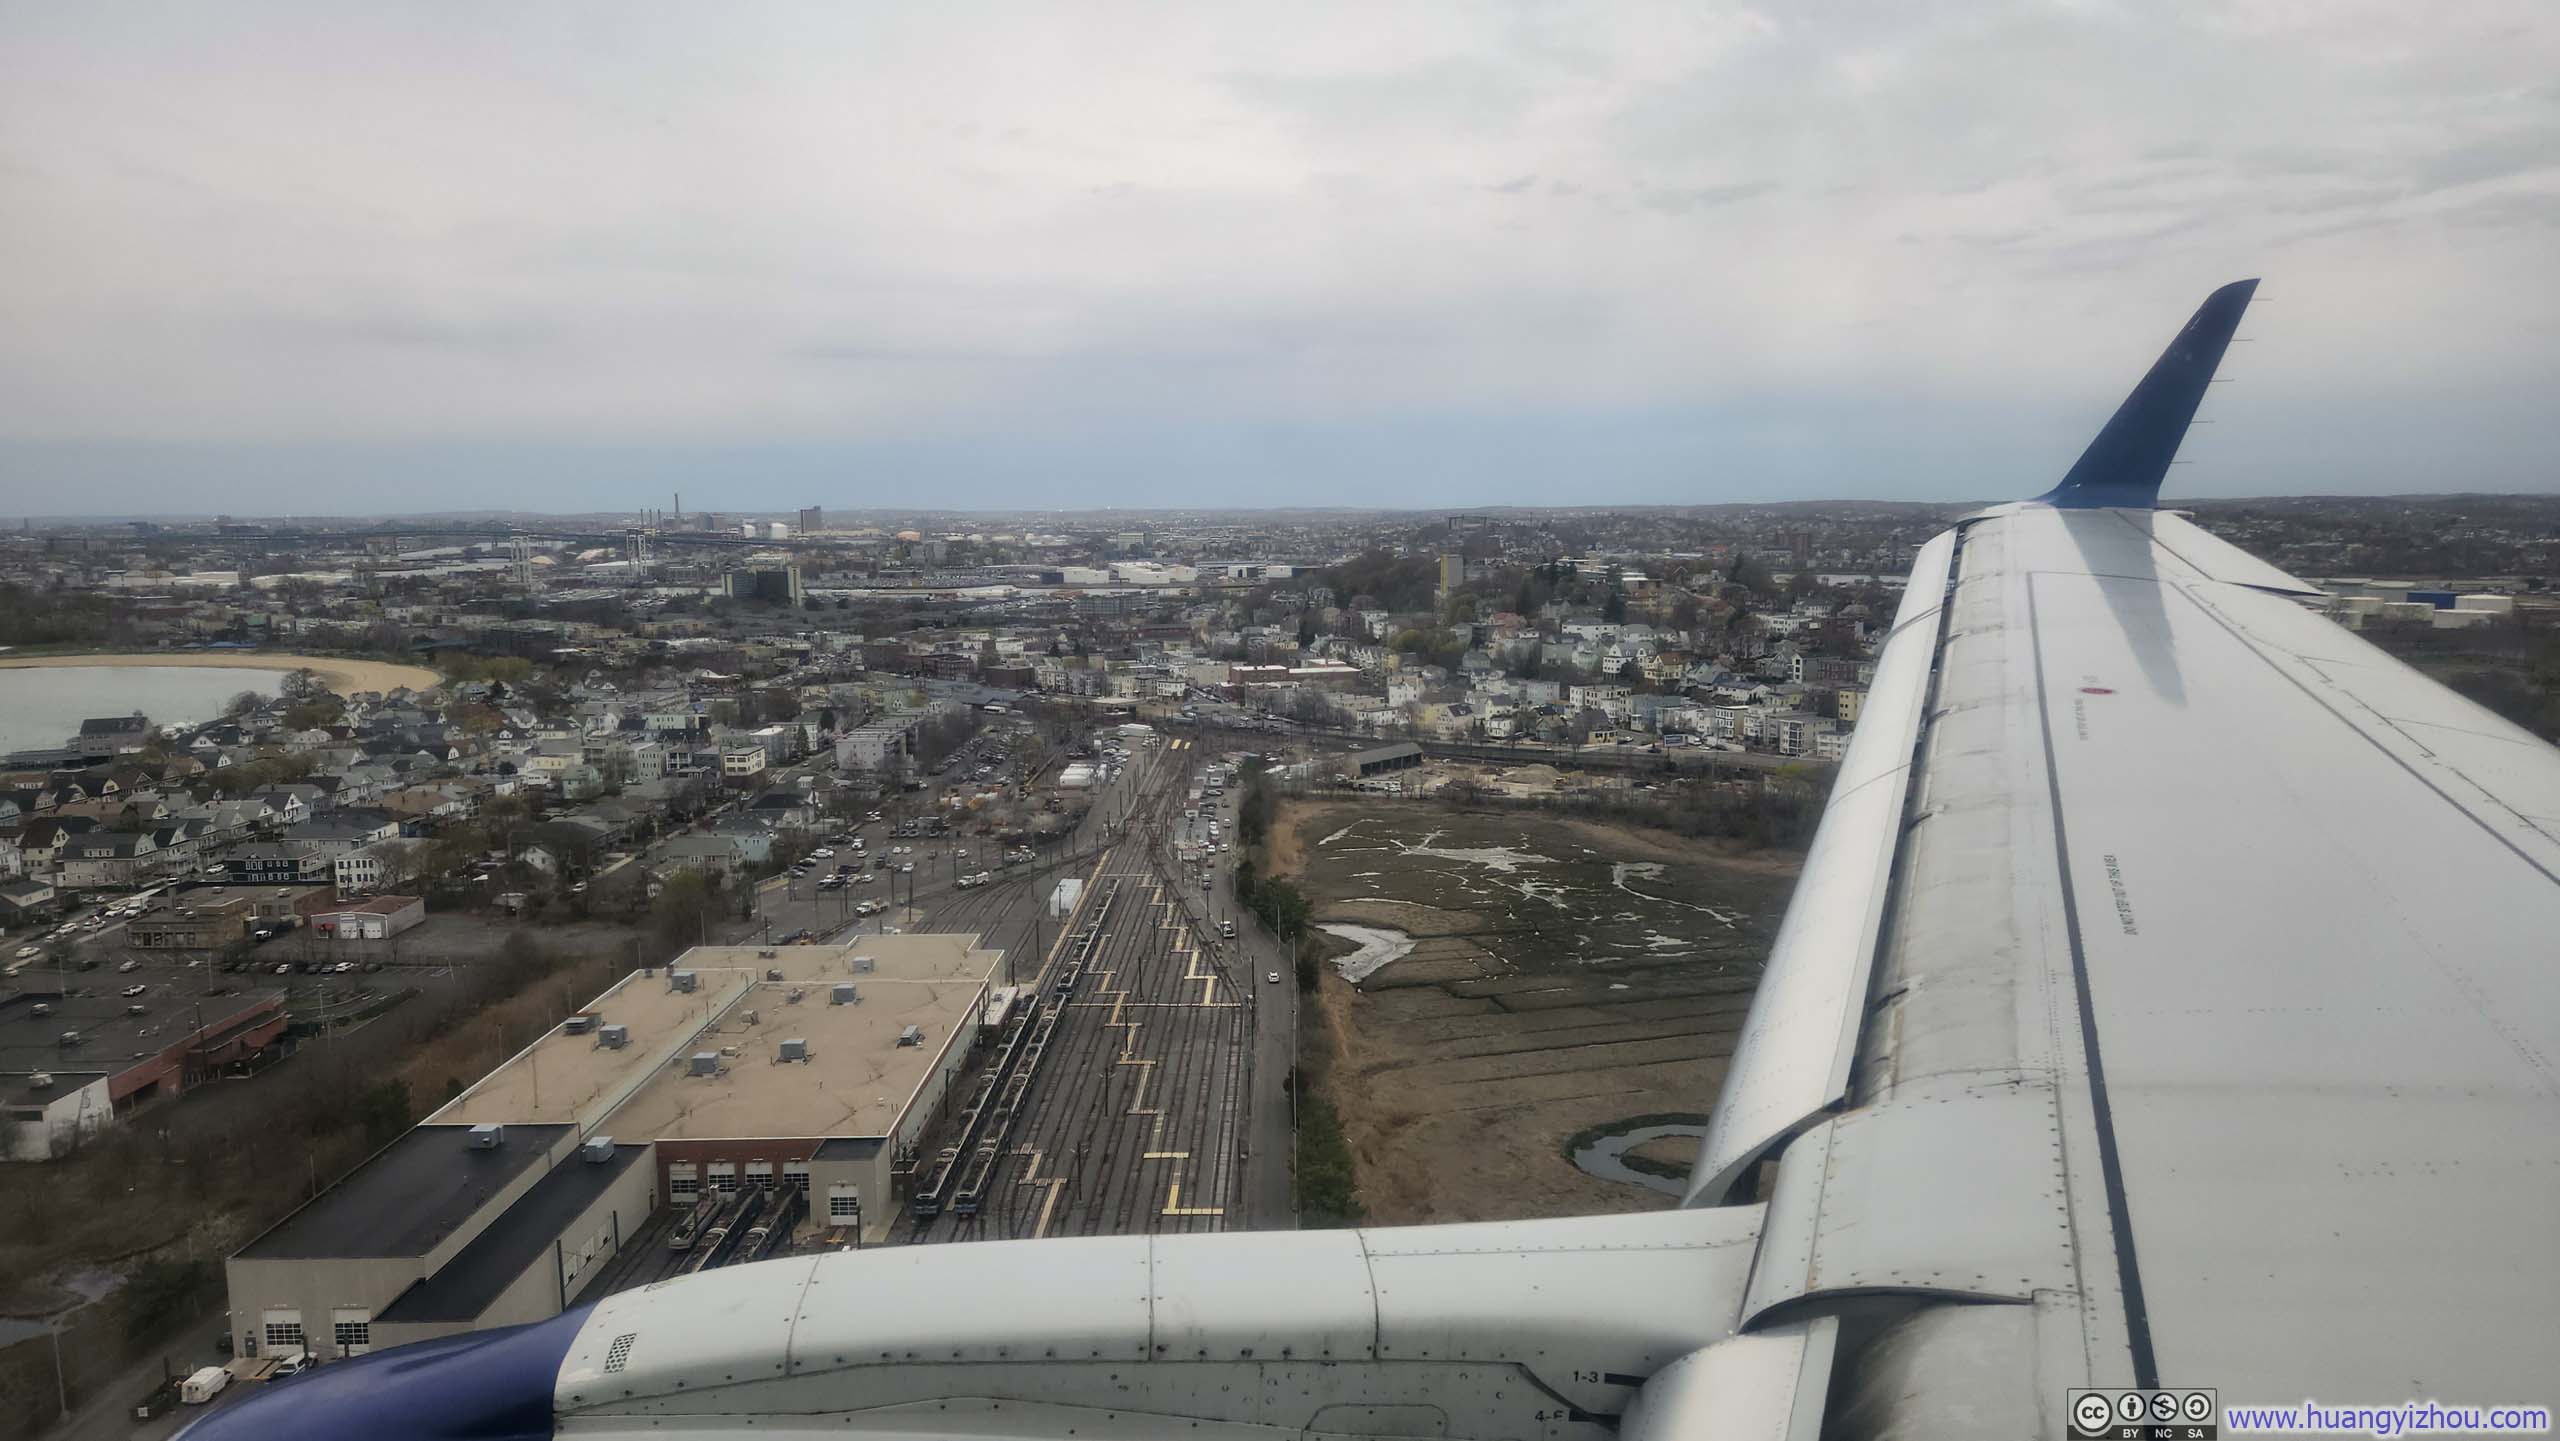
{"points": [[679, 507]]}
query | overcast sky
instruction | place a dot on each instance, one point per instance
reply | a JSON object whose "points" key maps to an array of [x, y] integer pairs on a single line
{"points": [[349, 256]]}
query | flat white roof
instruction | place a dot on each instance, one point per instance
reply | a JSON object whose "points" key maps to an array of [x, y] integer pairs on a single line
{"points": [[856, 1082]]}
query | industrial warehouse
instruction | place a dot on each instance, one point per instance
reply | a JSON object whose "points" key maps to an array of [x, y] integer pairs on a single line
{"points": [[688, 1116]]}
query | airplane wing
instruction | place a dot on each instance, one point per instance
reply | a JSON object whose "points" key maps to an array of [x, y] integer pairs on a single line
{"points": [[2171, 1000]]}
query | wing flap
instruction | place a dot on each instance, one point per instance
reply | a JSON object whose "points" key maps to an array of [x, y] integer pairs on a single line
{"points": [[1792, 1060]]}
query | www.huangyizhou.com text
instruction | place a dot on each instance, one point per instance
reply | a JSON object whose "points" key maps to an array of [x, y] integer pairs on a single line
{"points": [[2409, 1418]]}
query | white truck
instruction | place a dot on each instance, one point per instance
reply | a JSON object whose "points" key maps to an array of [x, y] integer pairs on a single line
{"points": [[202, 1386]]}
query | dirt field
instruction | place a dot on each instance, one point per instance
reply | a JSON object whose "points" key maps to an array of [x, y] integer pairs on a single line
{"points": [[1562, 975]]}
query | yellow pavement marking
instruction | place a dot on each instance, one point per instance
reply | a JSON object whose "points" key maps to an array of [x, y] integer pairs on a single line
{"points": [[1208, 983], [1173, 1205], [1050, 1185], [1138, 1106]]}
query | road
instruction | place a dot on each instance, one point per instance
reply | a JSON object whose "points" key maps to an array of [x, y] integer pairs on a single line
{"points": [[102, 1414]]}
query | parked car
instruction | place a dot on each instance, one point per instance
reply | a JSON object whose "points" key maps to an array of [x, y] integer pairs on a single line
{"points": [[132, 991], [1273, 978], [129, 967]]}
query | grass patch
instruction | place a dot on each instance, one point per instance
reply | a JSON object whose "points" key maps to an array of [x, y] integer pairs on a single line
{"points": [[1328, 1189]]}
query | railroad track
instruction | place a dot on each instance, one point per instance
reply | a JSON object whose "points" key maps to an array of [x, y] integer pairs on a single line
{"points": [[1131, 1118]]}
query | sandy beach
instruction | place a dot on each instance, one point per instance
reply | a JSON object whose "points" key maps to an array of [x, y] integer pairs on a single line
{"points": [[346, 677]]}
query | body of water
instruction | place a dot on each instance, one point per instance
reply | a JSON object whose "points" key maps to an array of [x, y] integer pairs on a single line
{"points": [[1379, 948], [1606, 1157], [42, 706]]}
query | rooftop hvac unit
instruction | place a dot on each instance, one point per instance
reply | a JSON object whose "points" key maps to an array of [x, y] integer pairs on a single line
{"points": [[580, 1024], [768, 955], [43, 1080], [487, 1137], [861, 965], [793, 1050], [597, 1150], [792, 996], [773, 973], [751, 1017], [704, 1063], [911, 1036], [680, 980], [842, 994], [613, 1038]]}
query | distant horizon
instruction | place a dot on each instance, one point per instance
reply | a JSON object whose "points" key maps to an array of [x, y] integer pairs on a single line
{"points": [[786, 514]]}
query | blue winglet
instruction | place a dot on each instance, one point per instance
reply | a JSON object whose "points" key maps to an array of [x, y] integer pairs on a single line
{"points": [[2124, 465]]}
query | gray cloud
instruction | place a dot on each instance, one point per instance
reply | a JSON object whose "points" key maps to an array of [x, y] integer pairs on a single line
{"points": [[367, 324], [1441, 93], [781, 240], [1703, 197], [2521, 151]]}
